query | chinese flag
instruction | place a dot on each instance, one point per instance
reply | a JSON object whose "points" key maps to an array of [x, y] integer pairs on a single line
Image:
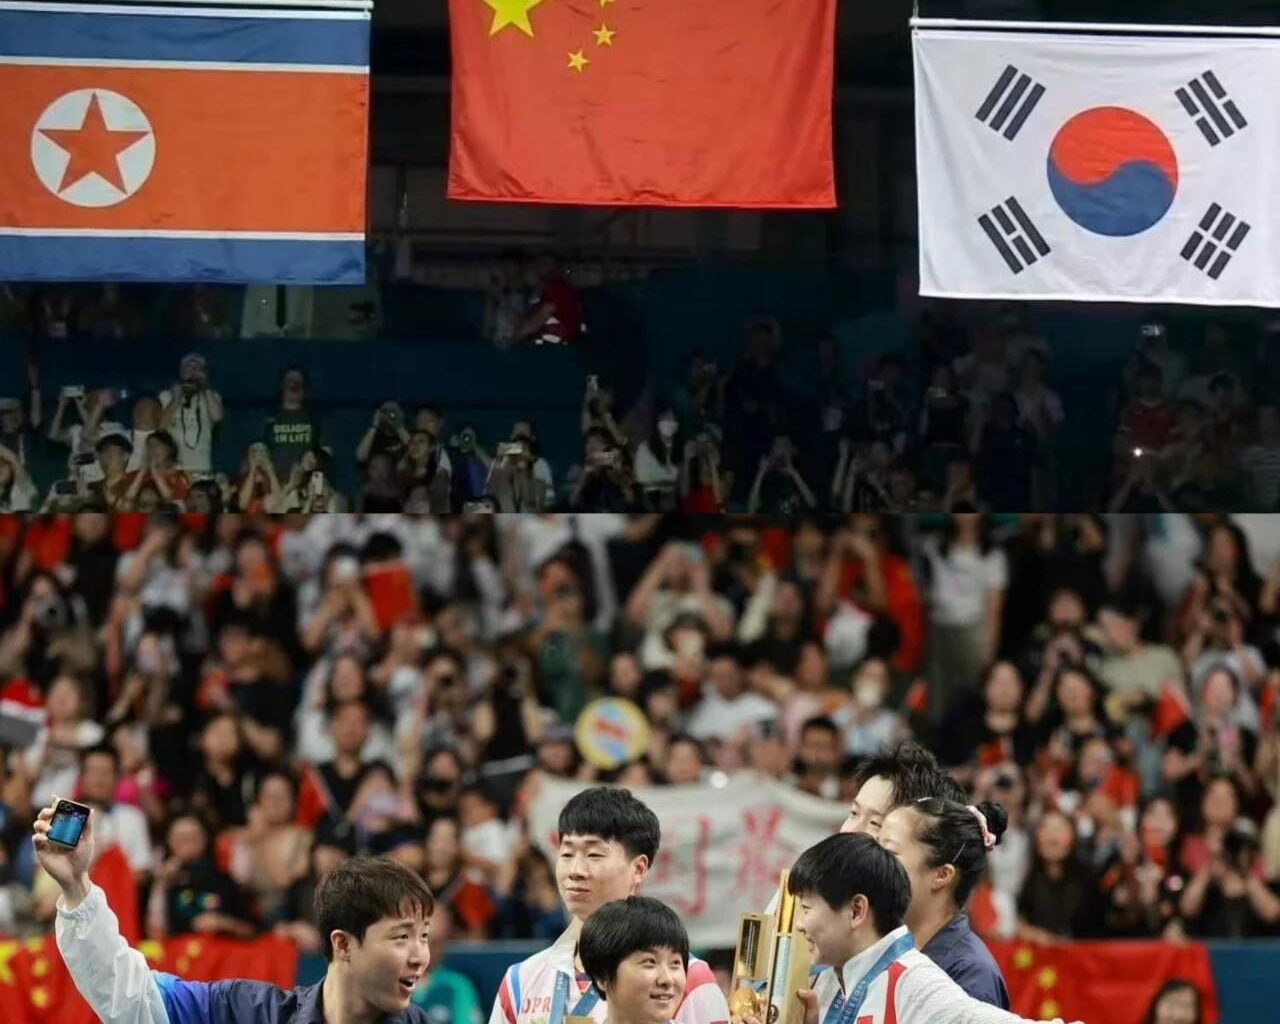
{"points": [[1172, 711], [36, 987], [113, 874], [391, 592], [1100, 982], [643, 102]]}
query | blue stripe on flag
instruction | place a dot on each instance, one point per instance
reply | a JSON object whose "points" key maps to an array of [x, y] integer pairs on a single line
{"points": [[230, 260], [182, 38]]}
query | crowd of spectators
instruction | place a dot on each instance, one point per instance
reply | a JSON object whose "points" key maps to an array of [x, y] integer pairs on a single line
{"points": [[248, 699], [965, 417]]}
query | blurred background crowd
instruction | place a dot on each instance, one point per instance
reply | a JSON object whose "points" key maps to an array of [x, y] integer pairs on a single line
{"points": [[249, 699], [540, 394]]}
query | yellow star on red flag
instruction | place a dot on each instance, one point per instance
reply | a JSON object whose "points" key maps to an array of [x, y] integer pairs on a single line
{"points": [[512, 12], [578, 61], [604, 35], [8, 950]]}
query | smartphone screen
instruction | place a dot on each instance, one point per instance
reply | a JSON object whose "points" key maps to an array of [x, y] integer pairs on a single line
{"points": [[68, 823]]}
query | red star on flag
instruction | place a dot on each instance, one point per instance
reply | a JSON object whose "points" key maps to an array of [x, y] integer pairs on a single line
{"points": [[94, 148]]}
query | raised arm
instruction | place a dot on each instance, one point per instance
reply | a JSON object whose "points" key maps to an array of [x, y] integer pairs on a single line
{"points": [[113, 977]]}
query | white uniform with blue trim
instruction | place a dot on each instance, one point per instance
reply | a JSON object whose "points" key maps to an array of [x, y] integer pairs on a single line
{"points": [[913, 990], [528, 989]]}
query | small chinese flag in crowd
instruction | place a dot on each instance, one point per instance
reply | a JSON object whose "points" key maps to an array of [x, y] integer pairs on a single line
{"points": [[643, 102]]}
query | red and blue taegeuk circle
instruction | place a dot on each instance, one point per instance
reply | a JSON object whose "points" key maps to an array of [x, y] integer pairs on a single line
{"points": [[1113, 171]]}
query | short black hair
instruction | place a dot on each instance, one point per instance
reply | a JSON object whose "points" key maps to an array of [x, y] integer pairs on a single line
{"points": [[613, 815], [852, 864], [361, 891], [166, 439], [101, 750], [638, 924], [913, 773], [823, 723], [1176, 985]]}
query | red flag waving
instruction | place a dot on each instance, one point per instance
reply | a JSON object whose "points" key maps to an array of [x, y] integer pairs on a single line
{"points": [[1173, 710], [113, 874], [1100, 982], [36, 987], [643, 102]]}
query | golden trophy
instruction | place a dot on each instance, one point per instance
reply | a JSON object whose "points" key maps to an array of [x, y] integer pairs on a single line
{"points": [[770, 966]]}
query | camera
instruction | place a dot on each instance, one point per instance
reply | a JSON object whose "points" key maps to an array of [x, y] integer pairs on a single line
{"points": [[317, 483], [607, 459], [1240, 847], [511, 450], [74, 391], [51, 612]]}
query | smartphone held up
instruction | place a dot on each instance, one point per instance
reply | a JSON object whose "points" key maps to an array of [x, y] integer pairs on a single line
{"points": [[67, 826]]}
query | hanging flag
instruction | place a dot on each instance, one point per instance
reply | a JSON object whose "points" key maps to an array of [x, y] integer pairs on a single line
{"points": [[643, 102], [183, 144], [1096, 166]]}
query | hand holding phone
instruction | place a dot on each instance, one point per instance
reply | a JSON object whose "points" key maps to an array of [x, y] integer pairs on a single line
{"points": [[63, 840]]}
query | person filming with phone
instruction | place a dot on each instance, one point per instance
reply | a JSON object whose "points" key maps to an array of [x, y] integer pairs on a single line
{"points": [[191, 410], [372, 915]]}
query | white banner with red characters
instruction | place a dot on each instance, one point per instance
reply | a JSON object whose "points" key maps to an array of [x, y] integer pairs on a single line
{"points": [[722, 850]]}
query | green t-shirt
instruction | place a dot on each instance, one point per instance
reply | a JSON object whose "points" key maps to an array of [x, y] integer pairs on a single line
{"points": [[449, 998], [290, 434]]}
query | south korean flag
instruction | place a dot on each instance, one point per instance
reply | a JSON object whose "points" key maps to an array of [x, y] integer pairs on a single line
{"points": [[1098, 166]]}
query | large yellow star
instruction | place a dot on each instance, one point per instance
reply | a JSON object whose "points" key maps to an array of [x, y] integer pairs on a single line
{"points": [[8, 950], [512, 12], [604, 35], [578, 60], [605, 3]]}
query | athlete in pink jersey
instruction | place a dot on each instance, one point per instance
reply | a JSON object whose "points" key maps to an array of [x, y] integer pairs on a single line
{"points": [[608, 840]]}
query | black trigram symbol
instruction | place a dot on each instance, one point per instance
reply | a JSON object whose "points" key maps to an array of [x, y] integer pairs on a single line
{"points": [[1014, 236], [1213, 111], [1215, 241], [1010, 102]]}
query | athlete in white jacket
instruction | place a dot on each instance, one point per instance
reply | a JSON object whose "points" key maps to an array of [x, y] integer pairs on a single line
{"points": [[852, 896], [608, 840]]}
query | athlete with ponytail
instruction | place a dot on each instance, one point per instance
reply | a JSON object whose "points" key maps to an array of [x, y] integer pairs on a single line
{"points": [[943, 846]]}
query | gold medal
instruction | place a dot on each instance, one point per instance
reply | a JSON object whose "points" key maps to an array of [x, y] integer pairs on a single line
{"points": [[744, 1003]]}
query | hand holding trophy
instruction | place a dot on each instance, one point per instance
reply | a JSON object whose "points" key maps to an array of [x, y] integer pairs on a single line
{"points": [[770, 967]]}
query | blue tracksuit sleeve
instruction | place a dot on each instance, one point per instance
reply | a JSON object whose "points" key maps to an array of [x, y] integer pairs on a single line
{"points": [[115, 979]]}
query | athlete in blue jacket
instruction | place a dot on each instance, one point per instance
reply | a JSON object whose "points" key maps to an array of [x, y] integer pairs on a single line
{"points": [[371, 913]]}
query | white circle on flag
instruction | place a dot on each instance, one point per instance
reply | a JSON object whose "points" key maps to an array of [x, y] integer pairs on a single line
{"points": [[70, 113]]}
